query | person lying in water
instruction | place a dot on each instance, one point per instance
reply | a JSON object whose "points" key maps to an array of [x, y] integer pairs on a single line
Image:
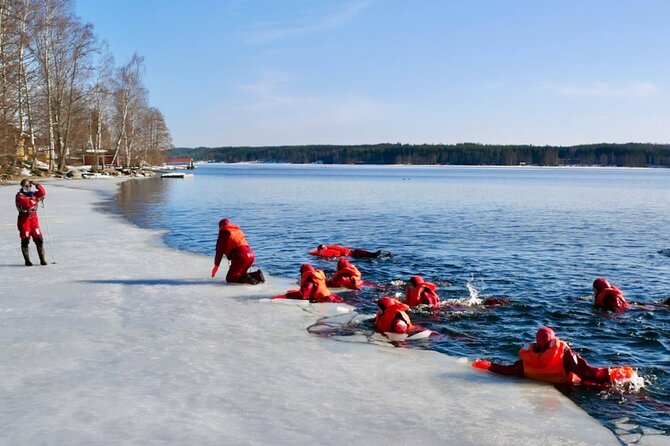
{"points": [[420, 292], [551, 360], [312, 287], [392, 317], [607, 296], [331, 251], [346, 276]]}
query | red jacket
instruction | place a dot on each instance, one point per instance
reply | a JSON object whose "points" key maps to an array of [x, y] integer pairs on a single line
{"points": [[26, 203], [313, 286], [422, 294], [547, 365], [558, 364], [611, 299], [384, 318], [348, 277], [332, 251], [230, 238]]}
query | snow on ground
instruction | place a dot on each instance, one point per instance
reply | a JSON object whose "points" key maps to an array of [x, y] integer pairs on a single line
{"points": [[125, 341]]}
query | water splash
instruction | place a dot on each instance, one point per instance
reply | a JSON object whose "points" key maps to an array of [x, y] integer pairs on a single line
{"points": [[474, 298]]}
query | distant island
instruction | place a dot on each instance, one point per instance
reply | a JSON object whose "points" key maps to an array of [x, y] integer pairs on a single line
{"points": [[472, 154]]}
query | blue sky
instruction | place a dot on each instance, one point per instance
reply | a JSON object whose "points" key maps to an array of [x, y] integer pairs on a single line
{"points": [[275, 72]]}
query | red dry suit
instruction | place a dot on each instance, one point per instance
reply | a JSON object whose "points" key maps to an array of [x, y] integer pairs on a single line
{"points": [[232, 244], [331, 251], [611, 299], [422, 293], [557, 364], [347, 276], [313, 287], [28, 223], [386, 317]]}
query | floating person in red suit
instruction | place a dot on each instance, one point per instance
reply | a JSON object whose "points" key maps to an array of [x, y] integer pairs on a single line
{"points": [[551, 360], [312, 287], [233, 244], [607, 296], [346, 276], [332, 251], [392, 317], [420, 292], [28, 224]]}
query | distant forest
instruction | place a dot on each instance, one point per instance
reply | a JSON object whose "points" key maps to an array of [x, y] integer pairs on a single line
{"points": [[622, 155]]}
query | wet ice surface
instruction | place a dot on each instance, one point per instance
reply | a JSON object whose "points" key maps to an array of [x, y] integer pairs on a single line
{"points": [[124, 341]]}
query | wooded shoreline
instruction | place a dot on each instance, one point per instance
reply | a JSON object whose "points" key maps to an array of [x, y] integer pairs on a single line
{"points": [[615, 155]]}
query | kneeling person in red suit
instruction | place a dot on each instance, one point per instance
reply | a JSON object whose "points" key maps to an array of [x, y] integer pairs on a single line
{"points": [[233, 244]]}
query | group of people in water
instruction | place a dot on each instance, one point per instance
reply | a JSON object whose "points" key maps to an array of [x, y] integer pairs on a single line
{"points": [[547, 359]]}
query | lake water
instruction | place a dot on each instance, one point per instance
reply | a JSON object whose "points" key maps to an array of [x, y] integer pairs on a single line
{"points": [[536, 236]]}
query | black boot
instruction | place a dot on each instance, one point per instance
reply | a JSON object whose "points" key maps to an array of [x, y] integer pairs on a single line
{"points": [[248, 278], [26, 254], [40, 252], [258, 276]]}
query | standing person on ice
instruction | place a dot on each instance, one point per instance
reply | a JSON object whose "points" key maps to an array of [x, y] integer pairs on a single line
{"points": [[28, 223], [551, 360], [232, 244]]}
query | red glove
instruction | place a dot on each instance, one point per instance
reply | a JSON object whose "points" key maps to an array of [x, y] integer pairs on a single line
{"points": [[214, 270], [620, 374], [481, 364]]}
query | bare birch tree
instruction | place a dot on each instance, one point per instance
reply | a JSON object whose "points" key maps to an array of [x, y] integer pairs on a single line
{"points": [[130, 99], [100, 104]]}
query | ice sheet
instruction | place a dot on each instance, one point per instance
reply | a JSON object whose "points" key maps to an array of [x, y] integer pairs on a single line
{"points": [[125, 341]]}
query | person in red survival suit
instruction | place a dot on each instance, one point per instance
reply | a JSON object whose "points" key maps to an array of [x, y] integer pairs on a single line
{"points": [[28, 223], [342, 251], [420, 292], [312, 287], [232, 244], [392, 316], [552, 360], [347, 276], [607, 296]]}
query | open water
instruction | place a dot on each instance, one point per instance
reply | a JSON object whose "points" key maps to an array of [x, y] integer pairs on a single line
{"points": [[535, 236]]}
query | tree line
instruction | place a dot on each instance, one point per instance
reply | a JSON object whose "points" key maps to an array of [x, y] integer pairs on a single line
{"points": [[61, 95], [624, 155]]}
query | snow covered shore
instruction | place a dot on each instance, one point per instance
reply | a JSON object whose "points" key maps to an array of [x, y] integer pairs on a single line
{"points": [[125, 341]]}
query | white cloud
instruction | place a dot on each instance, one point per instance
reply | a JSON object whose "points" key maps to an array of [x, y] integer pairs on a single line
{"points": [[605, 90], [266, 32]]}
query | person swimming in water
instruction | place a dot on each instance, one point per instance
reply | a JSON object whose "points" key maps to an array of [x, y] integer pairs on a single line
{"points": [[312, 287], [392, 317], [332, 251], [419, 292], [607, 296], [347, 276], [551, 360]]}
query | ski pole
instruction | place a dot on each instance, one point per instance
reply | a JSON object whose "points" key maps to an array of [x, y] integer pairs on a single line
{"points": [[46, 219]]}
